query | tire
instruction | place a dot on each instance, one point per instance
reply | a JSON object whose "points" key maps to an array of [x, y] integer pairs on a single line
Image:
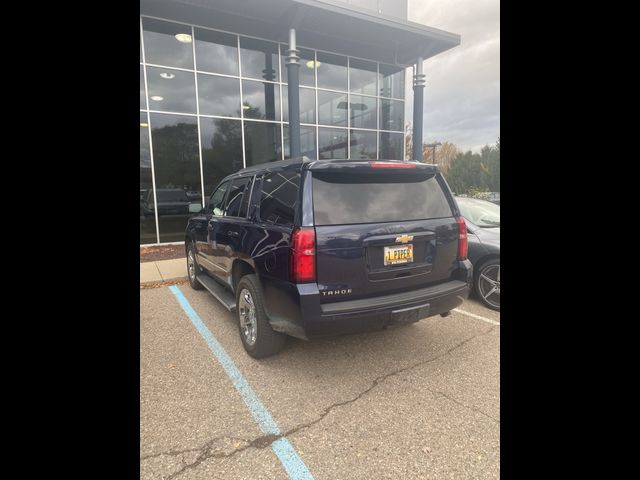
{"points": [[258, 338], [487, 278], [192, 259]]}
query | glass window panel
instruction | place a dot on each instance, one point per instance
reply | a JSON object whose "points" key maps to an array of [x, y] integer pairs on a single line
{"points": [[171, 90], [219, 95], [259, 59], [307, 142], [307, 105], [332, 143], [221, 143], [147, 216], [363, 112], [236, 193], [260, 100], [332, 108], [391, 115], [262, 142], [216, 202], [363, 144], [363, 76], [391, 146], [307, 66], [216, 52], [167, 43], [391, 81], [279, 197], [177, 169], [143, 97], [332, 71]]}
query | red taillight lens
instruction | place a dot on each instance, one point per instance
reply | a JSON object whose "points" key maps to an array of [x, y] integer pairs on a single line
{"points": [[392, 165], [462, 239], [302, 259]]}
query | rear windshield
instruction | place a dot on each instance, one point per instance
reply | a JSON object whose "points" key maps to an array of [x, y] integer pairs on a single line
{"points": [[341, 198]]}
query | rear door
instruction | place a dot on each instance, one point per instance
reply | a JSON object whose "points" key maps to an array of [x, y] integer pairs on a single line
{"points": [[381, 230]]}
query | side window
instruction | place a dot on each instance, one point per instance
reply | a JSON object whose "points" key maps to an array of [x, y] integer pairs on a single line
{"points": [[279, 197], [236, 193], [245, 199], [215, 202]]}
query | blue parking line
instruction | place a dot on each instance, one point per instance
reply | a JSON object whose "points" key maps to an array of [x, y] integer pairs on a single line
{"points": [[291, 461]]}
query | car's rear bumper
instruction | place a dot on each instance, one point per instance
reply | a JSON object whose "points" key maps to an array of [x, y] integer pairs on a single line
{"points": [[297, 309]]}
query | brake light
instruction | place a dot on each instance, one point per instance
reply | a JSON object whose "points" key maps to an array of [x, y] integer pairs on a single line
{"points": [[302, 259], [462, 239], [392, 165]]}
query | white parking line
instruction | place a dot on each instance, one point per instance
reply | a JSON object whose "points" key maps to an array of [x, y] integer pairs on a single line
{"points": [[484, 319]]}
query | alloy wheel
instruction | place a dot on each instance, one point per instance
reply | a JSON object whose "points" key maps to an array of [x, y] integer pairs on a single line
{"points": [[248, 321], [489, 285]]}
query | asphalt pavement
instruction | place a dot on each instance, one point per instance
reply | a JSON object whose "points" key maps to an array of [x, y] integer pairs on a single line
{"points": [[420, 401]]}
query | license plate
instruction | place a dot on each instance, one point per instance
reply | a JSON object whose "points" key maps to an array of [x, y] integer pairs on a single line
{"points": [[397, 255]]}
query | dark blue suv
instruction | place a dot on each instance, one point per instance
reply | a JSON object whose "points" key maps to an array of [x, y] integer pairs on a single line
{"points": [[308, 248]]}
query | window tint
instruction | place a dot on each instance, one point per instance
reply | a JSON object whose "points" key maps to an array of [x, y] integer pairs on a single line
{"points": [[279, 197], [245, 199], [234, 200], [215, 203], [340, 199]]}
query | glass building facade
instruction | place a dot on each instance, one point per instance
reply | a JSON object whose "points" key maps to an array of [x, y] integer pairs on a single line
{"points": [[213, 102]]}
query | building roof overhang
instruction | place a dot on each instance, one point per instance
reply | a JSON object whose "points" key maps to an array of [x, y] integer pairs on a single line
{"points": [[328, 25]]}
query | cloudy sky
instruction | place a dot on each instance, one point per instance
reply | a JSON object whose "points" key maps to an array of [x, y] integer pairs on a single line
{"points": [[462, 94]]}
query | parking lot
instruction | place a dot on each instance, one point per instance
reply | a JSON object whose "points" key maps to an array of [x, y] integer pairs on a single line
{"points": [[420, 401]]}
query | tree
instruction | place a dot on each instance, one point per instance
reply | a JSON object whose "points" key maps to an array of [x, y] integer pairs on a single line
{"points": [[476, 171]]}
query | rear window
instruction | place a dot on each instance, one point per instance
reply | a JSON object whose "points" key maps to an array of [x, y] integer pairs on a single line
{"points": [[340, 199]]}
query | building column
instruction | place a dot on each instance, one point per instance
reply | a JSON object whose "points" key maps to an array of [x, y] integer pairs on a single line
{"points": [[293, 74], [418, 102]]}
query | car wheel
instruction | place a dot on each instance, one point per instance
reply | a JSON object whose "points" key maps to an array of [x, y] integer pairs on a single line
{"points": [[487, 283], [258, 338], [193, 268]]}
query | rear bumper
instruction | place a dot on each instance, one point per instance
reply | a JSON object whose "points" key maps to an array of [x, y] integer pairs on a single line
{"points": [[376, 313], [295, 309]]}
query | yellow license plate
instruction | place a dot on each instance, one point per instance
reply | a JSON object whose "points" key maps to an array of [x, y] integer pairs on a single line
{"points": [[400, 254]]}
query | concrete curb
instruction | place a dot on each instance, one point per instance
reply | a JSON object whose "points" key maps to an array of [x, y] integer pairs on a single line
{"points": [[163, 271]]}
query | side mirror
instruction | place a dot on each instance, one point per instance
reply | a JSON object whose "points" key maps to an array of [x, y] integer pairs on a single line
{"points": [[195, 208]]}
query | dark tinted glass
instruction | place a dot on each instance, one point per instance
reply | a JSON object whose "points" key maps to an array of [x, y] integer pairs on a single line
{"points": [[363, 144], [391, 81], [332, 108], [363, 76], [171, 90], [307, 66], [364, 112], [167, 43], [234, 199], [216, 52], [261, 100], [307, 104], [332, 143], [177, 169], [279, 197], [307, 142], [259, 59], [143, 97], [332, 71], [379, 197], [391, 115], [245, 199], [219, 95], [147, 217], [217, 200], [391, 146], [221, 149], [262, 142]]}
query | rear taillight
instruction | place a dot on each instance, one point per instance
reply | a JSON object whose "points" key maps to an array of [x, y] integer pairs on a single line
{"points": [[302, 259], [462, 239]]}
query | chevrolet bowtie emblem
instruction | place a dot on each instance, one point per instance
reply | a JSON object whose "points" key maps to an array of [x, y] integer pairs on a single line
{"points": [[404, 239]]}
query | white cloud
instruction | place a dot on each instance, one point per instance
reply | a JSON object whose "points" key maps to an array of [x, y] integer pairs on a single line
{"points": [[462, 94]]}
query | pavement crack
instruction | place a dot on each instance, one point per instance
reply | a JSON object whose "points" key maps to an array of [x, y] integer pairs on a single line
{"points": [[384, 377], [475, 409]]}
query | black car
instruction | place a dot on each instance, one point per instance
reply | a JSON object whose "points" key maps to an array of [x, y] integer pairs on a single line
{"points": [[483, 225], [309, 248]]}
